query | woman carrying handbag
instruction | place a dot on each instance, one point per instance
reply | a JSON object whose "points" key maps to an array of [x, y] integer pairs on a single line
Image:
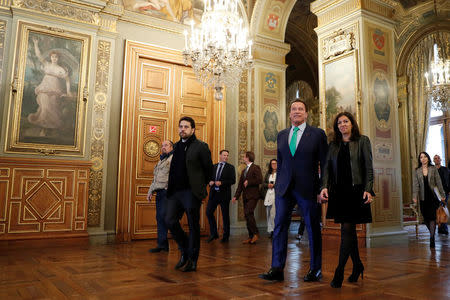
{"points": [[427, 188]]}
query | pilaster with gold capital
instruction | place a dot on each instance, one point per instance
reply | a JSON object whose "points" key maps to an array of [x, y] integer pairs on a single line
{"points": [[357, 74]]}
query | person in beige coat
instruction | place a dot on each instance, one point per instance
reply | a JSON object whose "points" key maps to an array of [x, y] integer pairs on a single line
{"points": [[427, 188], [159, 187]]}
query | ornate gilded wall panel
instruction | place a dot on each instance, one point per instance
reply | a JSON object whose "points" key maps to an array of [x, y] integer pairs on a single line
{"points": [[270, 115], [43, 198], [2, 45], [242, 131], [98, 132]]}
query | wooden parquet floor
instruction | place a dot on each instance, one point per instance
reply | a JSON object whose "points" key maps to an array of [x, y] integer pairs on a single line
{"points": [[79, 269]]}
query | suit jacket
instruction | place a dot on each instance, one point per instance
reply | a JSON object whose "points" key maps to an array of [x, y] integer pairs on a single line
{"points": [[434, 180], [360, 162], [227, 177], [445, 178], [303, 167], [254, 177], [199, 166]]}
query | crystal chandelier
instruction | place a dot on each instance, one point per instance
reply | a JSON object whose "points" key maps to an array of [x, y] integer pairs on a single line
{"points": [[438, 87], [219, 49]]}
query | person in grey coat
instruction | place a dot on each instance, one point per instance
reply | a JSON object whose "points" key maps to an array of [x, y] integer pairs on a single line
{"points": [[159, 187], [427, 188]]}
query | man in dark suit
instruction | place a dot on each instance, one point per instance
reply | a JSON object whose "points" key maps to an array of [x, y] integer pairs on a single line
{"points": [[251, 178], [190, 171], [300, 149], [445, 179], [223, 177]]}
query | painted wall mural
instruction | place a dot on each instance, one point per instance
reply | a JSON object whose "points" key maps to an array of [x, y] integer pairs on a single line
{"points": [[381, 91], [341, 87], [180, 11]]}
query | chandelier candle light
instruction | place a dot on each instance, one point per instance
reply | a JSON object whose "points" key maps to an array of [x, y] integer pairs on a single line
{"points": [[219, 49], [439, 87]]}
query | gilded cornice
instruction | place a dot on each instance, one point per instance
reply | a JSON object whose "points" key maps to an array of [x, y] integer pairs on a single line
{"points": [[96, 14], [276, 47], [330, 11], [61, 9], [5, 4], [151, 22], [410, 20]]}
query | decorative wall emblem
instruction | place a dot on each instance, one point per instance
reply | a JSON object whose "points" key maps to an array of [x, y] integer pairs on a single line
{"points": [[270, 126], [378, 40], [151, 148], [270, 81], [340, 42], [383, 151], [272, 21]]}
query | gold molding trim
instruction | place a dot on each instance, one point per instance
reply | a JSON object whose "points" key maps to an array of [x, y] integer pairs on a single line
{"points": [[5, 3], [2, 45], [63, 10], [340, 42], [242, 128], [329, 11], [98, 133]]}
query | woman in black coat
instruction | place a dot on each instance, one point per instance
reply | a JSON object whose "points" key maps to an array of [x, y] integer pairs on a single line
{"points": [[347, 182]]}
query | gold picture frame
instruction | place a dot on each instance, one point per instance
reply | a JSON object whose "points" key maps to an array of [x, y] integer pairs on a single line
{"points": [[340, 88], [49, 91]]}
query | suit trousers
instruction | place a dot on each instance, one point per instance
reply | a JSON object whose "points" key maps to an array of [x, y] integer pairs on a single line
{"points": [[185, 201], [249, 208], [213, 202], [160, 215], [311, 215]]}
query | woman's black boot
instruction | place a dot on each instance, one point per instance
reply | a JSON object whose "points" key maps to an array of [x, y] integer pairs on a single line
{"points": [[338, 278]]}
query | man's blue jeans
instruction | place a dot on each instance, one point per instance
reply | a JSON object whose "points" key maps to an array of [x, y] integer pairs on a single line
{"points": [[160, 215]]}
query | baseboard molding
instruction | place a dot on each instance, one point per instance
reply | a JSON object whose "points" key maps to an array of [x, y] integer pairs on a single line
{"points": [[380, 239]]}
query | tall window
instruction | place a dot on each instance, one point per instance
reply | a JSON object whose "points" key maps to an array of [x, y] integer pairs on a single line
{"points": [[439, 135]]}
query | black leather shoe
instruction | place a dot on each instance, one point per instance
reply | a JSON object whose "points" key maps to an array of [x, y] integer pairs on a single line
{"points": [[224, 240], [212, 238], [274, 274], [183, 260], [313, 275], [158, 249], [191, 266]]}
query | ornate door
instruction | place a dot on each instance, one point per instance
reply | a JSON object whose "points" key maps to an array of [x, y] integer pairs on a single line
{"points": [[157, 92]]}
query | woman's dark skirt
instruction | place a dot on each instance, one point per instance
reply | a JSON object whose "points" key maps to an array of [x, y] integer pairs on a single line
{"points": [[346, 205]]}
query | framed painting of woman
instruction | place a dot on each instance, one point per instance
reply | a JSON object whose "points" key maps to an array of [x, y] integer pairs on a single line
{"points": [[49, 91]]}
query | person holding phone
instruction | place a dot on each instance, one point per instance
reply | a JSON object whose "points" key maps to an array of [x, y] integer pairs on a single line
{"points": [[269, 195], [347, 186]]}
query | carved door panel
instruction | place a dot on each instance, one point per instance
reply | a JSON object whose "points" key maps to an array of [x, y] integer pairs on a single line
{"points": [[156, 94], [153, 111]]}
